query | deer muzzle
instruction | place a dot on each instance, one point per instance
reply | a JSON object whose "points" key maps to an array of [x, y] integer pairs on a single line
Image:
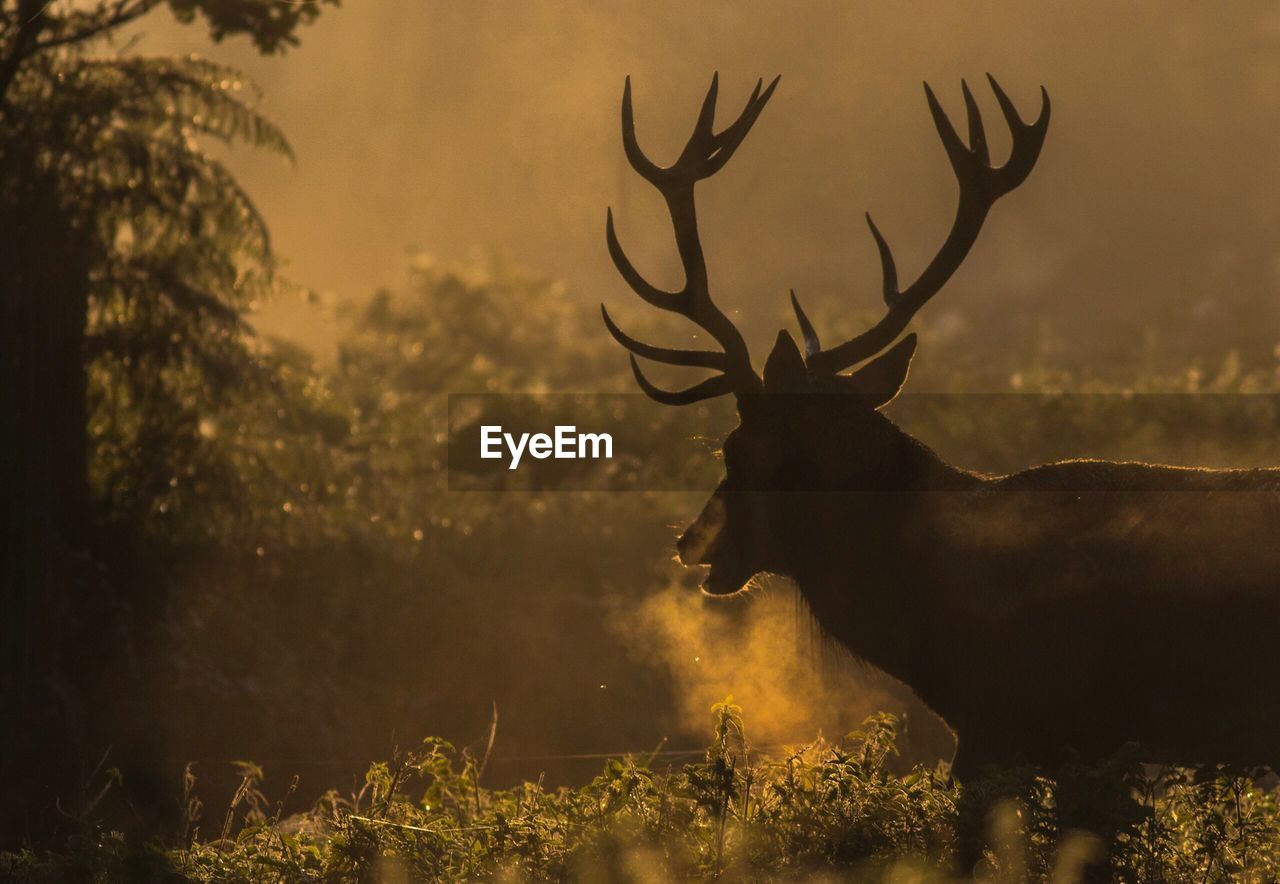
{"points": [[699, 538]]}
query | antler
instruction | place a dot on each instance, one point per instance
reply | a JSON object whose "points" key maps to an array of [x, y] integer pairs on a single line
{"points": [[703, 156], [980, 186]]}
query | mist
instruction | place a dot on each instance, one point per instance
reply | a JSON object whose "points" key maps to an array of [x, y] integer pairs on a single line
{"points": [[762, 651], [243, 531], [447, 127]]}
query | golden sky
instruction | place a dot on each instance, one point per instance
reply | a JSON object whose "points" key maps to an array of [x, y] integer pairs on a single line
{"points": [[445, 126]]}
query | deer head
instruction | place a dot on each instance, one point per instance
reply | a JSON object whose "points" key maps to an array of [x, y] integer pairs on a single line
{"points": [[809, 424]]}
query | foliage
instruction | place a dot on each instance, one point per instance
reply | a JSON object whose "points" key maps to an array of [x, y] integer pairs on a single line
{"points": [[269, 23], [288, 523], [107, 167], [30, 28], [738, 814], [318, 562], [180, 252], [115, 149], [321, 506]]}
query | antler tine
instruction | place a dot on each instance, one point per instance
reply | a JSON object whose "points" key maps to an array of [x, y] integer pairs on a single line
{"points": [[811, 343], [703, 134], [693, 302], [651, 294], [728, 140], [962, 160], [1028, 139], [667, 355], [648, 170], [708, 389], [977, 135], [980, 186], [704, 154], [888, 269]]}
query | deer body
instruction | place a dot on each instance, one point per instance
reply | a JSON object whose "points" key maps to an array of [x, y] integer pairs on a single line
{"points": [[1034, 660], [1050, 615], [1143, 604]]}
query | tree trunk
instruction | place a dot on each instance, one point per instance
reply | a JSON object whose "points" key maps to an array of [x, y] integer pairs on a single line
{"points": [[44, 280]]}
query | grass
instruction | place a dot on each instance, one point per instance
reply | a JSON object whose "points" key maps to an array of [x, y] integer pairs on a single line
{"points": [[828, 808]]}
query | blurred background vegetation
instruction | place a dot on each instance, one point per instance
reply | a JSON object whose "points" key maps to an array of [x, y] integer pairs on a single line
{"points": [[228, 530]]}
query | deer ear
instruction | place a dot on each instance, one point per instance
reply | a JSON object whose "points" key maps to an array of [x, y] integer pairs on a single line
{"points": [[784, 370], [881, 379]]}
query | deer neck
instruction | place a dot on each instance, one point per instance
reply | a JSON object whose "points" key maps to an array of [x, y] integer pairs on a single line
{"points": [[911, 466], [860, 611], [848, 562]]}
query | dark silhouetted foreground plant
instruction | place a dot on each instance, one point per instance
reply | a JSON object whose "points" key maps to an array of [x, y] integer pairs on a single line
{"points": [[736, 815]]}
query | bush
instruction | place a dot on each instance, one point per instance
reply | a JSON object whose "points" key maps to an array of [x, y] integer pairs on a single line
{"points": [[735, 814]]}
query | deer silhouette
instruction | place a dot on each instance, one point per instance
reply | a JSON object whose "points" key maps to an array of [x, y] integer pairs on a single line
{"points": [[1049, 616]]}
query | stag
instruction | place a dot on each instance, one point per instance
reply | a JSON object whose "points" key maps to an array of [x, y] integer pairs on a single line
{"points": [[1050, 616]]}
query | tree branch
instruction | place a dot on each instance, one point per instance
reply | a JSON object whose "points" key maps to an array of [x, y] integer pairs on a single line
{"points": [[123, 13], [33, 19], [32, 16]]}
